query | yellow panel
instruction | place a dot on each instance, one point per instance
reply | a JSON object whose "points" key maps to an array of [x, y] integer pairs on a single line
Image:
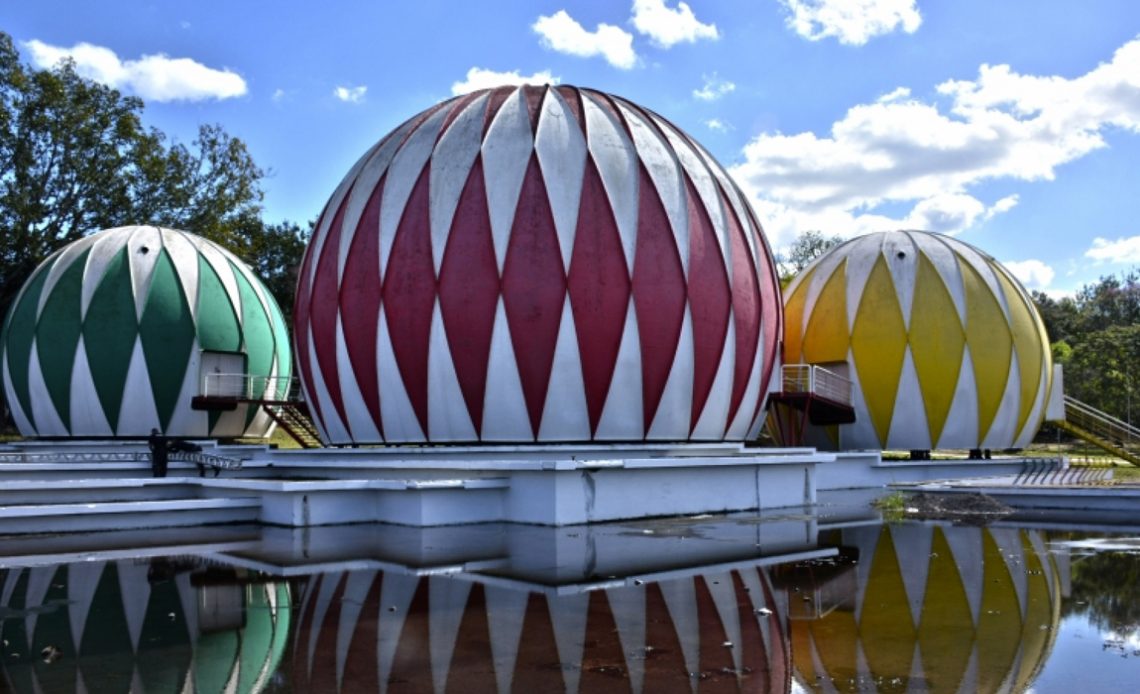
{"points": [[936, 342], [1038, 623], [1031, 350], [794, 320], [826, 338], [999, 625], [946, 629], [801, 650], [878, 343], [987, 334], [886, 626], [835, 637]]}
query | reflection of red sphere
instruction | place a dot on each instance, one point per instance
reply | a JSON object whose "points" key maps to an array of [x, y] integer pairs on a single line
{"points": [[368, 631], [539, 263]]}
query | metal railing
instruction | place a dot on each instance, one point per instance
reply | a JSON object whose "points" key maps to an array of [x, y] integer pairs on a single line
{"points": [[1101, 424], [809, 378], [247, 387]]}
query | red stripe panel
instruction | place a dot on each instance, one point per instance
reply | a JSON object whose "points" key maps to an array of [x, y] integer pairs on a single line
{"points": [[534, 289], [324, 309], [599, 289], [360, 303], [718, 671], [301, 324], [658, 295], [322, 670], [469, 291], [745, 308], [779, 650], [472, 666], [409, 297], [709, 300], [603, 658], [772, 308]]}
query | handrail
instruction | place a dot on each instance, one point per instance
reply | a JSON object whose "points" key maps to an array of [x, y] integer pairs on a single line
{"points": [[249, 387], [814, 379], [1100, 423]]}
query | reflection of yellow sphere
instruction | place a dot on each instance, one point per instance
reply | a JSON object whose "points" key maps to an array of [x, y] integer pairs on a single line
{"points": [[943, 346], [964, 609]]}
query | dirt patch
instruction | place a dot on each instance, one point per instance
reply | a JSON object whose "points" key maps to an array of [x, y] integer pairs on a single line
{"points": [[965, 508]]}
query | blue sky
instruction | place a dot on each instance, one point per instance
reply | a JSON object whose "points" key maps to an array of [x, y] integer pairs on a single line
{"points": [[1014, 124]]}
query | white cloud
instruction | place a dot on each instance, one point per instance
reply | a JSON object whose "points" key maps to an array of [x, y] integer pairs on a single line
{"points": [[153, 77], [1002, 125], [718, 125], [481, 78], [714, 88], [852, 22], [665, 26], [278, 95], [898, 94], [562, 33], [1034, 274], [351, 95], [1122, 250]]}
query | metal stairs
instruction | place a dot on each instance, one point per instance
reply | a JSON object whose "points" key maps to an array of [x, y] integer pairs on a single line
{"points": [[1101, 429], [293, 417]]}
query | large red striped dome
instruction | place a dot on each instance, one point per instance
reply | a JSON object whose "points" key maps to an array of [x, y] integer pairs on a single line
{"points": [[537, 264]]}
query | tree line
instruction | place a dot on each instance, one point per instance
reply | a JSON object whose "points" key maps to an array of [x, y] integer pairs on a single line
{"points": [[76, 158]]}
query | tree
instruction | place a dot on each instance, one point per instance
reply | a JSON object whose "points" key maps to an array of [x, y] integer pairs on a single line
{"points": [[75, 158], [807, 247], [1104, 370]]}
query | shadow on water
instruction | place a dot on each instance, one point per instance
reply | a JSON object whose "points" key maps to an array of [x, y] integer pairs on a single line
{"points": [[834, 601]]}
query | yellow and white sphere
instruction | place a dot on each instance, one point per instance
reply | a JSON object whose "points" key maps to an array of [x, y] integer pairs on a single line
{"points": [[943, 346]]}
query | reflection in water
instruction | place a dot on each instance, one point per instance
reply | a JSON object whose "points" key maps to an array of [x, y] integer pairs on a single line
{"points": [[914, 607], [1106, 589], [125, 626], [933, 608], [361, 631]]}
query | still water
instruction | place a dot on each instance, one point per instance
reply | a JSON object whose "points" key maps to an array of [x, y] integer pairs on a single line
{"points": [[832, 602]]}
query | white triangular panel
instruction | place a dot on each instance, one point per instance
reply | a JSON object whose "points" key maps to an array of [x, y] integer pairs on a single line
{"points": [[568, 616], [63, 262], [561, 151], [909, 428], [82, 581], [946, 263], [902, 263], [713, 420], [681, 601], [1001, 432], [184, 258], [448, 418], [912, 550], [134, 594], [673, 418], [627, 605], [405, 170], [742, 420], [360, 424], [506, 610], [966, 546], [323, 600], [450, 167], [447, 598], [104, 246], [334, 429], [623, 416], [505, 416], [47, 419], [22, 420], [613, 154], [142, 253], [86, 416], [396, 593], [185, 420], [396, 412], [565, 416], [724, 599], [39, 581], [507, 148]]}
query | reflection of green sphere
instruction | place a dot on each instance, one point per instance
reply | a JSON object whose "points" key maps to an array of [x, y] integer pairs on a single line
{"points": [[115, 333], [965, 609], [110, 625]]}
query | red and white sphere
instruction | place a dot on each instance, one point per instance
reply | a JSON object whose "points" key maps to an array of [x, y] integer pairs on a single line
{"points": [[537, 264]]}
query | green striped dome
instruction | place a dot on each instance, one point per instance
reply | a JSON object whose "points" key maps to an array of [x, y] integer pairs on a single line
{"points": [[114, 334], [114, 629]]}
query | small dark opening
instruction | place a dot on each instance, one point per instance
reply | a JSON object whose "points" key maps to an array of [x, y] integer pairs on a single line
{"points": [[144, 250], [901, 254]]}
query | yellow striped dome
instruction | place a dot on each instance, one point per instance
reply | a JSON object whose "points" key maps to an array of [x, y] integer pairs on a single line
{"points": [[932, 608], [943, 346]]}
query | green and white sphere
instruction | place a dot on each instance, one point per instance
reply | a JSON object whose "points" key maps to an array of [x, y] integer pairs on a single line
{"points": [[114, 334]]}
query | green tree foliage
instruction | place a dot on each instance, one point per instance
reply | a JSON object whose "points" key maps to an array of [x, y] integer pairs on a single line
{"points": [[807, 247], [1106, 588], [1095, 335], [75, 158]]}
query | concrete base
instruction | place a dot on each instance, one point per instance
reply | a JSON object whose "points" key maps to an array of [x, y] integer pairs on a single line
{"points": [[863, 469]]}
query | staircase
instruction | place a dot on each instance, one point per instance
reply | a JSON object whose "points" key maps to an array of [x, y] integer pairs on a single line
{"points": [[293, 417], [1101, 429]]}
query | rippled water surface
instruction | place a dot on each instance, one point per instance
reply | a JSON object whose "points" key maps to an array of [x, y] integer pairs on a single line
{"points": [[831, 602]]}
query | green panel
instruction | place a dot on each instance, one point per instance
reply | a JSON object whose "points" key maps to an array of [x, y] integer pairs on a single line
{"points": [[284, 346], [106, 651], [215, 660], [165, 652], [20, 333], [109, 332], [218, 329], [57, 336], [167, 334], [258, 333], [256, 638], [282, 619]]}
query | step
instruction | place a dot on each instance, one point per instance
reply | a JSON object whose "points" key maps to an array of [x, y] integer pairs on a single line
{"points": [[24, 492], [107, 515]]}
